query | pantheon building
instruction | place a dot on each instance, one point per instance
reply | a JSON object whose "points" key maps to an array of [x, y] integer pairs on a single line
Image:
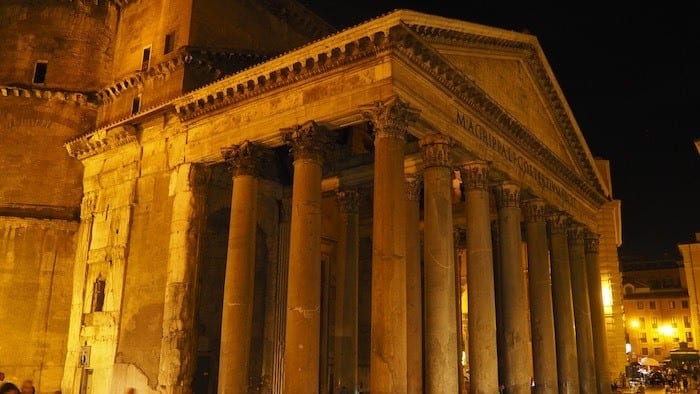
{"points": [[234, 197]]}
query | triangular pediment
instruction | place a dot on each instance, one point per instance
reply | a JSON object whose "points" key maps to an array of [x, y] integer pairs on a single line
{"points": [[511, 72], [508, 82]]}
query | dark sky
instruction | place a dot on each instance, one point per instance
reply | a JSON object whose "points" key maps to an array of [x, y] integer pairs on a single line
{"points": [[632, 80]]}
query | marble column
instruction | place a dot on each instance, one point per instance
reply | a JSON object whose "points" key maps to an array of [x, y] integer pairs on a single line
{"points": [[414, 283], [600, 345], [440, 336], [303, 327], [562, 302], [346, 291], [514, 304], [481, 299], [582, 311], [388, 368], [544, 355], [177, 351], [237, 312]]}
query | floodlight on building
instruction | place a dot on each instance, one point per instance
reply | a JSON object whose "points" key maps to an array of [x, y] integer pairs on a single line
{"points": [[634, 323], [667, 330]]}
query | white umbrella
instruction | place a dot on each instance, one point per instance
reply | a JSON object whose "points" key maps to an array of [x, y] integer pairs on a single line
{"points": [[650, 362]]}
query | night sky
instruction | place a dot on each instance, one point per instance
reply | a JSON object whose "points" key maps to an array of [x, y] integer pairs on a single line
{"points": [[632, 80]]}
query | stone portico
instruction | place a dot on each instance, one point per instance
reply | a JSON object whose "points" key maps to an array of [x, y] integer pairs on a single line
{"points": [[298, 217]]}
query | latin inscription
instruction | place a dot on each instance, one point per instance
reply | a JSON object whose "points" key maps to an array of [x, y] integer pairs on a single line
{"points": [[490, 140]]}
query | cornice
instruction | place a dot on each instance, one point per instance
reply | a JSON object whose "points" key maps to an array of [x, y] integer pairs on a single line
{"points": [[209, 59], [522, 135], [260, 79], [79, 98], [100, 141]]}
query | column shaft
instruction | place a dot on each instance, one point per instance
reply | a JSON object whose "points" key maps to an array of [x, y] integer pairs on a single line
{"points": [[388, 338], [346, 292], [177, 352], [483, 356], [414, 293], [582, 312], [565, 332], [514, 307], [441, 353], [237, 312], [541, 312], [600, 344], [303, 327]]}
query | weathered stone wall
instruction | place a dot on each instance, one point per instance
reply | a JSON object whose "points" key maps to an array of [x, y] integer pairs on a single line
{"points": [[75, 39], [241, 25], [36, 271], [37, 172]]}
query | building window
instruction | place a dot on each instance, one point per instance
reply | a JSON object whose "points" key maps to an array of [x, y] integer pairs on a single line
{"points": [[98, 294], [672, 304], [645, 351], [657, 351], [676, 339], [146, 60], [40, 72], [643, 337], [688, 336], [136, 105], [652, 304], [640, 304], [169, 45], [686, 321], [654, 322], [674, 322], [684, 304], [642, 323], [655, 338]]}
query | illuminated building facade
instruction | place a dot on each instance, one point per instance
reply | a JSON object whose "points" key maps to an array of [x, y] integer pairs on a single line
{"points": [[657, 309], [228, 195]]}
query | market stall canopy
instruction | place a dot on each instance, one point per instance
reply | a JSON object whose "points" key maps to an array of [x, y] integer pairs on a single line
{"points": [[650, 362]]}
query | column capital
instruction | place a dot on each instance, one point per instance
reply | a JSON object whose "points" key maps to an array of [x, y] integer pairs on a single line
{"points": [[390, 118], [244, 158], [308, 141], [348, 200], [413, 186], [435, 149], [534, 210], [460, 238], [558, 222], [475, 174], [591, 242], [575, 232], [507, 194]]}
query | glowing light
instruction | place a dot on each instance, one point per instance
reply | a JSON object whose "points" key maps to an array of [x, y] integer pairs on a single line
{"points": [[628, 347], [667, 330], [634, 323], [606, 288]]}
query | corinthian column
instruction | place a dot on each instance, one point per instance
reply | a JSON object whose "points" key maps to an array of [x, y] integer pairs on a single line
{"points": [[514, 306], [388, 340], [481, 299], [567, 360], [541, 314], [237, 312], [582, 311], [346, 290], [441, 354], [302, 353], [414, 293], [600, 345]]}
